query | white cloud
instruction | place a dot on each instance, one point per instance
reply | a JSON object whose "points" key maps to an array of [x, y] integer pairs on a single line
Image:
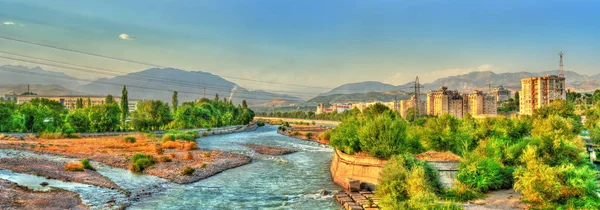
{"points": [[8, 23], [424, 77], [126, 37]]}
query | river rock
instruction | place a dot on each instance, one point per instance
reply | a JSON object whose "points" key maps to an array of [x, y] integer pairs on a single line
{"points": [[44, 184]]}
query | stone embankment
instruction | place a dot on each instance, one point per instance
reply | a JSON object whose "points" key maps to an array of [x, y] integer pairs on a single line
{"points": [[55, 170], [357, 200], [268, 150], [13, 196]]}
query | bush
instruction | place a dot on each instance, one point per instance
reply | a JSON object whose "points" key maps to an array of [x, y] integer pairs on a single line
{"points": [[50, 135], [188, 156], [484, 173], [87, 165], [407, 183], [163, 159], [129, 139], [190, 146], [70, 133], [325, 135], [187, 171], [203, 165], [207, 154], [139, 162], [204, 134], [461, 193], [171, 145], [295, 133], [158, 149], [308, 135], [71, 166], [260, 123]]}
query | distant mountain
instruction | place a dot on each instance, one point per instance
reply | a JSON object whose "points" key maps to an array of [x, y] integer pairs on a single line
{"points": [[469, 82], [360, 97], [16, 75], [38, 89], [361, 87], [159, 83]]}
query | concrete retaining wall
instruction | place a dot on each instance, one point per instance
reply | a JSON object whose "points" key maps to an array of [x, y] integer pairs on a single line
{"points": [[365, 169], [368, 169]]}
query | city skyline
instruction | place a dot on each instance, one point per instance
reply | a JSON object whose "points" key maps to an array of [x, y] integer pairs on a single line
{"points": [[383, 41]]}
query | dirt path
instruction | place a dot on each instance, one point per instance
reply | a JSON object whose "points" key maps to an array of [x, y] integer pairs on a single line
{"points": [[13, 196], [502, 199]]}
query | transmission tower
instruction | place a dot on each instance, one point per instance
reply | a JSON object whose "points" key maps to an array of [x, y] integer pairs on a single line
{"points": [[417, 86], [561, 72]]}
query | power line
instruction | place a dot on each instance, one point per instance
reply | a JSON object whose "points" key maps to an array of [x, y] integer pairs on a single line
{"points": [[140, 77], [143, 63], [19, 71]]}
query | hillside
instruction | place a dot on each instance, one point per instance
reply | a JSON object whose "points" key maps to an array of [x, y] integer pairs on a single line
{"points": [[38, 89], [361, 87], [159, 83], [16, 75], [361, 97]]}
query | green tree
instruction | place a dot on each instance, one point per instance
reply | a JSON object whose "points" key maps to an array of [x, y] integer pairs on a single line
{"points": [[517, 100], [109, 99], [124, 105], [89, 102], [216, 97], [78, 120], [244, 104], [79, 103], [151, 115], [175, 102], [105, 117]]}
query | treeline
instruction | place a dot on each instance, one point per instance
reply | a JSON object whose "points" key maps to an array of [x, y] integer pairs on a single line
{"points": [[42, 115], [540, 156], [310, 115]]}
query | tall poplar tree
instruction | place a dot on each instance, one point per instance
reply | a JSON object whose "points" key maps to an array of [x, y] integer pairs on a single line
{"points": [[175, 102], [124, 105]]}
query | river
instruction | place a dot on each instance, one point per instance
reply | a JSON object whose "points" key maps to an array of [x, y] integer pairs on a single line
{"points": [[292, 181]]}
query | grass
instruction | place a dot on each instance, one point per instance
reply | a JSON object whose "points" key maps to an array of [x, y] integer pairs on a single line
{"points": [[139, 162], [87, 165], [71, 166], [188, 171]]}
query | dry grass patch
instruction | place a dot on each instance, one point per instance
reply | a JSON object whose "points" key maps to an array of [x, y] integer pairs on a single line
{"points": [[71, 166]]}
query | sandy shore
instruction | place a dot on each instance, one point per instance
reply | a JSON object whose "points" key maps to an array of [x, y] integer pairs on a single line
{"points": [[268, 150], [55, 170], [13, 196]]}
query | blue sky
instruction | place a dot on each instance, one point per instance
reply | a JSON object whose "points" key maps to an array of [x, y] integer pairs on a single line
{"points": [[311, 42]]}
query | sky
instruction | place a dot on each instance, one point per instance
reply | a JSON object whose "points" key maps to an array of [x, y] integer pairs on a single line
{"points": [[316, 43]]}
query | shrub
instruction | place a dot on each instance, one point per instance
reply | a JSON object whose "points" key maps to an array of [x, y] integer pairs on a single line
{"points": [[158, 149], [205, 134], [71, 166], [129, 139], [70, 133], [308, 135], [484, 173], [190, 146], [188, 156], [193, 134], [461, 193], [139, 162], [187, 171], [295, 133], [203, 165], [260, 123], [407, 183], [167, 137], [87, 165], [50, 135], [286, 124], [325, 135], [164, 159], [171, 145]]}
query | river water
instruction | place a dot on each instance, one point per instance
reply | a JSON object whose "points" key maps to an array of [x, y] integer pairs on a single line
{"points": [[293, 181]]}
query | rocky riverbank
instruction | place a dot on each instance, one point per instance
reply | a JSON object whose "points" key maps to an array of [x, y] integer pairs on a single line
{"points": [[13, 196], [55, 170], [268, 150]]}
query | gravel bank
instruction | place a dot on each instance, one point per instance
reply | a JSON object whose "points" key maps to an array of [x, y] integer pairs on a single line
{"points": [[55, 170], [14, 196], [268, 150]]}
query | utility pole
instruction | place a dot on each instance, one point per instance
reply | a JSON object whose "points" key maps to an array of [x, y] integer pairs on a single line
{"points": [[417, 86], [203, 92]]}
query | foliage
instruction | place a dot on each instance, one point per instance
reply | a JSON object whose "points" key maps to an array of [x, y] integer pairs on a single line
{"points": [[308, 135], [129, 139], [71, 166], [188, 171], [86, 164], [109, 99], [124, 105], [79, 120], [151, 115], [174, 101], [260, 124], [444, 133], [139, 162], [326, 135], [104, 118], [407, 183]]}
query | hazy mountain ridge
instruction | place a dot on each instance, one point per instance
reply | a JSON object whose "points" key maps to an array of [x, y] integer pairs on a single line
{"points": [[159, 83], [38, 89], [17, 75], [361, 97]]}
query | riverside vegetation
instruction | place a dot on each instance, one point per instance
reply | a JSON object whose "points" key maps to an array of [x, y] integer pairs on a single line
{"points": [[540, 156], [51, 118]]}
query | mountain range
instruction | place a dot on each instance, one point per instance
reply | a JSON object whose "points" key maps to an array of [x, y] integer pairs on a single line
{"points": [[159, 84], [474, 80]]}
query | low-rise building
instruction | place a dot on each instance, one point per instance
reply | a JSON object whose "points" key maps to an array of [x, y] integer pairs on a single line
{"points": [[70, 101], [339, 108]]}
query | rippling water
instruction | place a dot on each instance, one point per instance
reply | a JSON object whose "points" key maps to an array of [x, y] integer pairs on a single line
{"points": [[292, 181]]}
